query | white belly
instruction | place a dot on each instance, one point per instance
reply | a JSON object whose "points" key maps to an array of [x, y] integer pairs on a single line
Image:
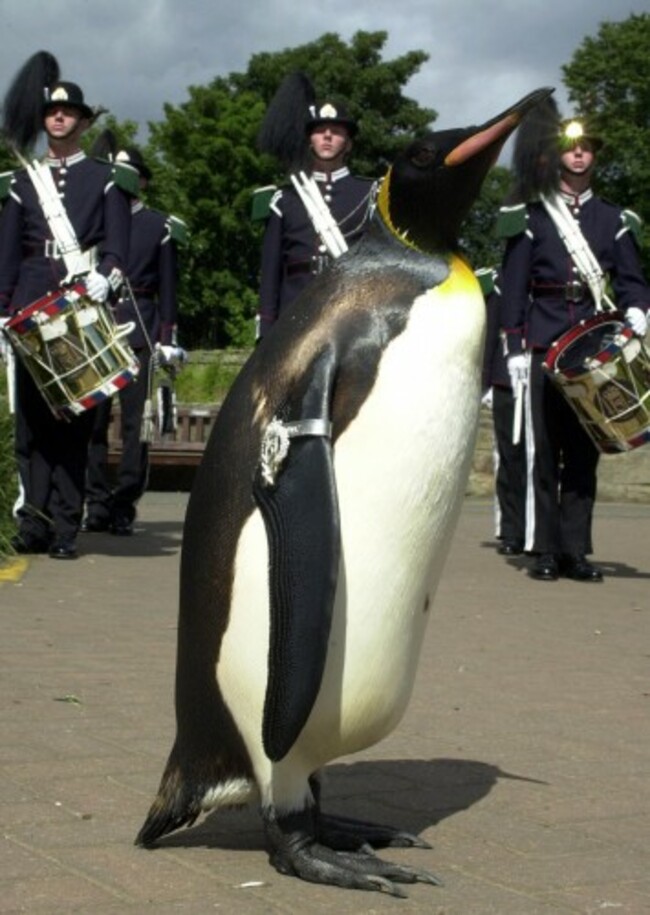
{"points": [[401, 469]]}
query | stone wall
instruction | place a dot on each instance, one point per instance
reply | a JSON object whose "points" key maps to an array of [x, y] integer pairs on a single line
{"points": [[621, 477]]}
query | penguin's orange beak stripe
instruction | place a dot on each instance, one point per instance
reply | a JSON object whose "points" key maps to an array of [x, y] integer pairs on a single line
{"points": [[484, 138]]}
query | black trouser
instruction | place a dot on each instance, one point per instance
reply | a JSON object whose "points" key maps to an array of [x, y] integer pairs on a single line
{"points": [[510, 478], [104, 503], [564, 472], [51, 455]]}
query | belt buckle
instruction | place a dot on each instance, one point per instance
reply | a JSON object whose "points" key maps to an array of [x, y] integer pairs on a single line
{"points": [[52, 249], [321, 262], [574, 291]]}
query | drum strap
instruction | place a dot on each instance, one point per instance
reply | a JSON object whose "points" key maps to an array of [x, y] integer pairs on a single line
{"points": [[75, 260], [579, 250], [320, 215]]}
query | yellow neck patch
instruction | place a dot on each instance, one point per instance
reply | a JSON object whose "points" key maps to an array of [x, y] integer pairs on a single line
{"points": [[461, 276]]}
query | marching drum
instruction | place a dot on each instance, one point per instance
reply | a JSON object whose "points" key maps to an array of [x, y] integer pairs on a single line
{"points": [[603, 371], [73, 349]]}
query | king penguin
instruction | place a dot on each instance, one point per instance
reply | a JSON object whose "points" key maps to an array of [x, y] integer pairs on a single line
{"points": [[320, 519]]}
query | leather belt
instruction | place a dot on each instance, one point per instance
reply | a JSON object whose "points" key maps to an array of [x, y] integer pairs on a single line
{"points": [[47, 248], [573, 291], [315, 265]]}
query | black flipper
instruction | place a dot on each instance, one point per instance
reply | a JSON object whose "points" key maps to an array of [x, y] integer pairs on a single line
{"points": [[301, 516]]}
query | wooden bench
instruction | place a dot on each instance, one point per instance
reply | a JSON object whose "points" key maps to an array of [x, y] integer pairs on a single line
{"points": [[183, 448]]}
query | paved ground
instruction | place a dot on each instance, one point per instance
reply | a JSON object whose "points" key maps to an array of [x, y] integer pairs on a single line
{"points": [[524, 757]]}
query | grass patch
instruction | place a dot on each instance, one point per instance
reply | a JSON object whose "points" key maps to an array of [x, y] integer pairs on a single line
{"points": [[205, 382]]}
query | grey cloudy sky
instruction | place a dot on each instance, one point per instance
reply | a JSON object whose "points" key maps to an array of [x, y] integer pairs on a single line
{"points": [[132, 57]]}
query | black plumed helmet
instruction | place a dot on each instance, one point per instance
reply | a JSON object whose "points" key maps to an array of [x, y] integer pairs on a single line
{"points": [[22, 115], [575, 130], [283, 132], [132, 156], [66, 93], [536, 155], [330, 113], [107, 147], [34, 89]]}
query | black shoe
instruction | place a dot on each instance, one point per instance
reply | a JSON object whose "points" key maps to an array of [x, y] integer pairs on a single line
{"points": [[94, 525], [510, 548], [29, 545], [546, 568], [63, 549], [580, 569], [121, 527]]}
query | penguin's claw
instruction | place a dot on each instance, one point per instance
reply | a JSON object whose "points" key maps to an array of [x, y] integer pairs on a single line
{"points": [[294, 850], [343, 833], [351, 870]]}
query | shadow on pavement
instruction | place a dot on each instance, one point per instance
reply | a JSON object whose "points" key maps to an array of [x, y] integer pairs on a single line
{"points": [[412, 795], [159, 538]]}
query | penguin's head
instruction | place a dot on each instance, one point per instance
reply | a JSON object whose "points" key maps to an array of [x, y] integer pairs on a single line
{"points": [[431, 186]]}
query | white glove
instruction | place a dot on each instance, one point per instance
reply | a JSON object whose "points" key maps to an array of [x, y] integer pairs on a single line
{"points": [[518, 370], [97, 286], [487, 398], [637, 321], [170, 355], [4, 341]]}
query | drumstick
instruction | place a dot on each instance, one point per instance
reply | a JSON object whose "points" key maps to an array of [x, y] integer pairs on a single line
{"points": [[519, 402]]}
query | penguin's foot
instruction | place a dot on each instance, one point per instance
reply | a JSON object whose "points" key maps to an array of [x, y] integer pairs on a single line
{"points": [[294, 850], [345, 834]]}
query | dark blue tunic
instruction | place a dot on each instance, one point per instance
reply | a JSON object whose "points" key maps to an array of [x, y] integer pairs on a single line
{"points": [[292, 252]]}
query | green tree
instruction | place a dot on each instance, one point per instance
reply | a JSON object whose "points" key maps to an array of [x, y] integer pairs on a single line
{"points": [[478, 237], [608, 80], [8, 161], [125, 132], [206, 166]]}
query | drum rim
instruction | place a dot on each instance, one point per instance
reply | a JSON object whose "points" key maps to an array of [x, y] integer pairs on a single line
{"points": [[28, 311], [578, 330]]}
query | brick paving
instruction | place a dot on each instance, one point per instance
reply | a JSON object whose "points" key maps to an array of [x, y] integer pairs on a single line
{"points": [[524, 757]]}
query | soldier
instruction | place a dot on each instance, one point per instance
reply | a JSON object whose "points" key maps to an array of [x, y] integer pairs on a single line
{"points": [[510, 476], [52, 450], [148, 301], [293, 250], [546, 293]]}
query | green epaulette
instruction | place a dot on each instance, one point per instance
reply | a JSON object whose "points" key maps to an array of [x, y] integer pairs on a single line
{"points": [[178, 230], [5, 184], [486, 277], [511, 221], [631, 221], [261, 203], [127, 178]]}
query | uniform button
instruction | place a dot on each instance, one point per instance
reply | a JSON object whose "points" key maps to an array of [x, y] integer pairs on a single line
{"points": [[327, 198], [322, 249]]}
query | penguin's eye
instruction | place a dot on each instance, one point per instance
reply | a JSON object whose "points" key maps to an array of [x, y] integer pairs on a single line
{"points": [[423, 157]]}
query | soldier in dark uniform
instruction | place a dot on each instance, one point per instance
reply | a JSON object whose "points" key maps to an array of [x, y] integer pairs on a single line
{"points": [[510, 475], [544, 295], [148, 301], [53, 450], [293, 252]]}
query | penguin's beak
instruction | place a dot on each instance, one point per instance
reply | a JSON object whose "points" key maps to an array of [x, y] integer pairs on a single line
{"points": [[495, 132]]}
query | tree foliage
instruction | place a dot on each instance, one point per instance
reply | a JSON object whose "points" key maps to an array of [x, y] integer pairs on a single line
{"points": [[206, 165], [479, 239], [608, 80]]}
